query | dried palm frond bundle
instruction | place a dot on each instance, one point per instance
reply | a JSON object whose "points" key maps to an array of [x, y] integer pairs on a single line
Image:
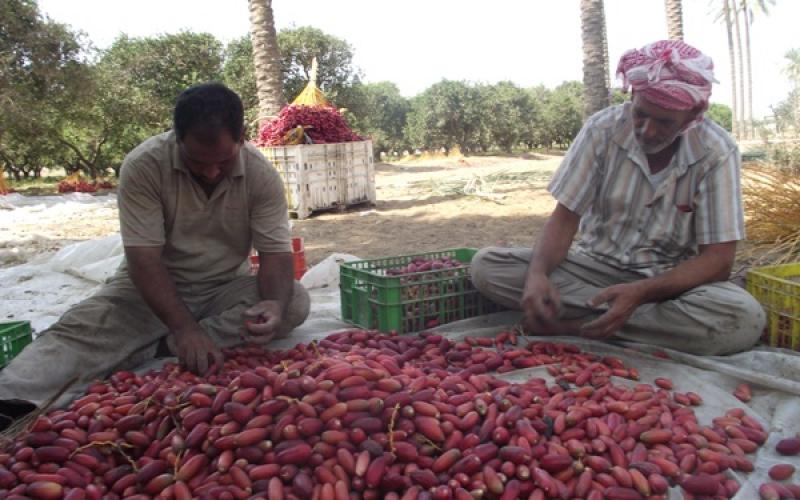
{"points": [[312, 95], [23, 425], [772, 214]]}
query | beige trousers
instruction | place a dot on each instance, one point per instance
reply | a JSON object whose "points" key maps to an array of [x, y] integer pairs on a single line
{"points": [[719, 318], [116, 330]]}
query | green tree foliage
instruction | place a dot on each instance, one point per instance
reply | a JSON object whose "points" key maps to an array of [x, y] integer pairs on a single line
{"points": [[43, 67], [721, 114], [65, 105], [162, 67], [536, 134], [502, 116], [139, 80], [128, 95], [446, 115], [789, 111], [336, 73], [238, 73], [563, 114], [507, 110], [61, 109], [785, 112], [556, 117], [337, 76], [619, 97], [380, 115]]}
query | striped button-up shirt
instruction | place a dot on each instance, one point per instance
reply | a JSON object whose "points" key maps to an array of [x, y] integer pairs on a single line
{"points": [[631, 223]]}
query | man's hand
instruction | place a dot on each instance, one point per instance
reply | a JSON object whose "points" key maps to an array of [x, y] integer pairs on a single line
{"points": [[540, 303], [262, 321], [195, 349], [624, 299]]}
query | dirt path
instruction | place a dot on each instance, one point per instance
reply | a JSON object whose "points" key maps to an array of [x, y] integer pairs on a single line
{"points": [[422, 206]]}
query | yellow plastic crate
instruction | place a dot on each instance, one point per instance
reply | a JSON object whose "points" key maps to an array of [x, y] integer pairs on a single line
{"points": [[777, 288]]}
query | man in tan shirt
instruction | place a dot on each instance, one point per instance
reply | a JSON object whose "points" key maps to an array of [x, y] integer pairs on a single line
{"points": [[192, 203]]}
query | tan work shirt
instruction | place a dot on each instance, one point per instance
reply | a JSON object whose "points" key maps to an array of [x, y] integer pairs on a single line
{"points": [[630, 221], [205, 238]]}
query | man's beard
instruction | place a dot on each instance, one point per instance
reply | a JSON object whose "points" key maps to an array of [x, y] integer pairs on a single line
{"points": [[651, 148]]}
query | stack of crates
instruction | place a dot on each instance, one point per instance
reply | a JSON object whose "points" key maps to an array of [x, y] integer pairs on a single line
{"points": [[298, 253], [324, 176]]}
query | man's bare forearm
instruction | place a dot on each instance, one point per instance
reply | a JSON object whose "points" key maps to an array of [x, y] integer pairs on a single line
{"points": [[276, 277], [151, 278], [554, 242], [713, 264]]}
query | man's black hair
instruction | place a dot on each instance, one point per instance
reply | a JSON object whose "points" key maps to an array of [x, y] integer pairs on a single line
{"points": [[207, 109]]}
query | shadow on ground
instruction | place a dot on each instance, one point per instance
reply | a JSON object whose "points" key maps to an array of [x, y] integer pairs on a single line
{"points": [[390, 168]]}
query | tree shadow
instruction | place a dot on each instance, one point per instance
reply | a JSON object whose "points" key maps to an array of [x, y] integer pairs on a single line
{"points": [[527, 155], [390, 168], [382, 205]]}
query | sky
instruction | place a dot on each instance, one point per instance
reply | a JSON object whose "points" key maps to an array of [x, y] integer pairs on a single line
{"points": [[415, 43]]}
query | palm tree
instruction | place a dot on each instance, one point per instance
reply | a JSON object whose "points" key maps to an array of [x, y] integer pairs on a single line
{"points": [[266, 59], [747, 13], [743, 130], [748, 106], [606, 69], [726, 11], [674, 19], [595, 90]]}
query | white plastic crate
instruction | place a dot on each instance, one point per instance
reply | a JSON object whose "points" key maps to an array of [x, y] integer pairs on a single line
{"points": [[324, 176]]}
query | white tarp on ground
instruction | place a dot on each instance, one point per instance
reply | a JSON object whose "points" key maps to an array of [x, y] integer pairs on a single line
{"points": [[40, 292], [38, 203], [33, 227]]}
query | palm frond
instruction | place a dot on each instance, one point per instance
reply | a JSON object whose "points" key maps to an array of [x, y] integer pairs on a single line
{"points": [[772, 209]]}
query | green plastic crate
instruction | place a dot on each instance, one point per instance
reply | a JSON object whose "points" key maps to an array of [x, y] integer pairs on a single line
{"points": [[374, 300], [14, 336]]}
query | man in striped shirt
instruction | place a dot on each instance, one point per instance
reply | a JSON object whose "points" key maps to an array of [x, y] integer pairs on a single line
{"points": [[653, 187]]}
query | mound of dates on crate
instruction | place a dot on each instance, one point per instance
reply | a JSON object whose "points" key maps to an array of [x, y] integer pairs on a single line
{"points": [[366, 415], [420, 264]]}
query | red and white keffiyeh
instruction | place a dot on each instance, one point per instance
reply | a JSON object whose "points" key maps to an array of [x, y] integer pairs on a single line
{"points": [[670, 74]]}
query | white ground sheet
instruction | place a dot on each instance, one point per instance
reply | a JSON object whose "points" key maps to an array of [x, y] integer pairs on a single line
{"points": [[41, 291]]}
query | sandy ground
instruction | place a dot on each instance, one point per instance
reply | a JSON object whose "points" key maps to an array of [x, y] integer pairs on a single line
{"points": [[422, 206]]}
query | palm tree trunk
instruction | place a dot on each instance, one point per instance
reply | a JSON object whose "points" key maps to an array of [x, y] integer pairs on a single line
{"points": [[595, 91], [732, 56], [748, 62], [743, 131], [266, 59], [606, 69], [674, 19]]}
